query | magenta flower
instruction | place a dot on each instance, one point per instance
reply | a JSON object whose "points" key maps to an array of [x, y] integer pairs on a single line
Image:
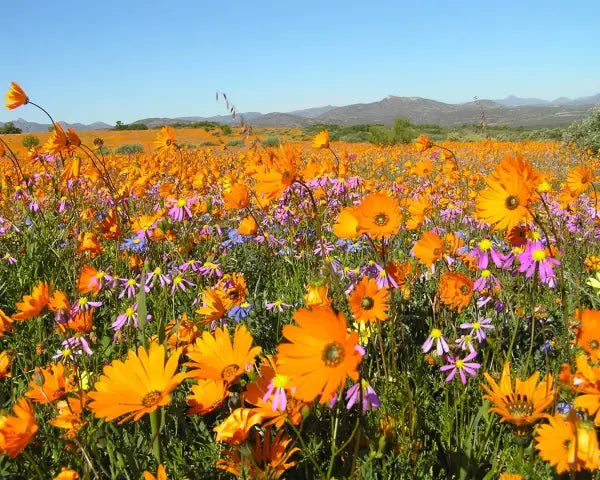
{"points": [[129, 316], [277, 389], [484, 250], [180, 209], [486, 281], [535, 257], [370, 399], [461, 366], [277, 305]]}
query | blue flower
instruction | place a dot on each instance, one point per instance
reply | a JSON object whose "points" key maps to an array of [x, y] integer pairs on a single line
{"points": [[136, 244], [239, 312]]}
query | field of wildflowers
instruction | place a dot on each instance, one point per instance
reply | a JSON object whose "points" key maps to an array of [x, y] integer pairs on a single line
{"points": [[317, 310]]}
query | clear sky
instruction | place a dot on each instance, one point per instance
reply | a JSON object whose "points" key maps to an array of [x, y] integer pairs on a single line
{"points": [[126, 60]]}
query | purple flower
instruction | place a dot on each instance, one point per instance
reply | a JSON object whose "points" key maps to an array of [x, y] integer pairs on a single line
{"points": [[478, 328], [461, 366], [277, 304], [370, 399], [441, 344], [484, 250]]}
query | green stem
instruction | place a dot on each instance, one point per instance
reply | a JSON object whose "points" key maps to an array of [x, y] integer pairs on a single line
{"points": [[155, 436]]}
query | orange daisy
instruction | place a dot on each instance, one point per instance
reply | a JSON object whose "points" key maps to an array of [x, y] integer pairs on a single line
{"points": [[321, 354], [161, 474], [6, 323], [237, 198], [206, 396], [378, 215], [17, 431], [504, 204], [569, 444], [57, 142], [368, 302], [235, 428], [67, 474], [522, 405], [247, 226], [422, 143], [270, 457], [579, 179], [5, 365], [456, 290], [321, 139], [215, 357], [50, 383], [165, 141], [32, 305], [137, 386], [346, 225], [588, 333], [428, 249], [15, 97]]}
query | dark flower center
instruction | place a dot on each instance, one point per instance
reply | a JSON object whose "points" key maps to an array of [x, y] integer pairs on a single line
{"points": [[151, 399], [230, 372], [333, 354], [512, 202], [367, 303], [382, 219], [519, 405], [594, 344], [464, 289]]}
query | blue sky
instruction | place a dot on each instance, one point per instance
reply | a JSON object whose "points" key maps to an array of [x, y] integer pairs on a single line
{"points": [[108, 61]]}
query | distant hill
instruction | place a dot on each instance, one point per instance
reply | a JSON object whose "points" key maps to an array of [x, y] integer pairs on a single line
{"points": [[512, 110], [313, 112], [33, 127]]}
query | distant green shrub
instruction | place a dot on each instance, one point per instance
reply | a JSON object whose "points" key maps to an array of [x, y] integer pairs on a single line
{"points": [[226, 129], [208, 144], [271, 141], [585, 133], [356, 137], [31, 141], [235, 143], [129, 149]]}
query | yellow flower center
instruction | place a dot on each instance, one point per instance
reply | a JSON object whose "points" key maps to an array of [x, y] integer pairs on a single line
{"points": [[485, 273], [181, 202], [177, 280], [157, 271], [100, 275], [82, 301], [129, 312], [459, 364], [230, 372], [131, 282], [66, 352], [476, 326], [436, 333], [538, 255], [333, 354], [485, 245], [280, 381], [152, 399]]}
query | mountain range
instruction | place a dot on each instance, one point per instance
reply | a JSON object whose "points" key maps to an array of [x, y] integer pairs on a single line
{"points": [[512, 110]]}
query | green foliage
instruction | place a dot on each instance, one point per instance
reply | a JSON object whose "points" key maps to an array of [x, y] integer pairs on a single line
{"points": [[31, 141], [235, 143], [9, 129], [225, 129], [129, 149], [132, 126], [585, 134], [271, 141]]}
